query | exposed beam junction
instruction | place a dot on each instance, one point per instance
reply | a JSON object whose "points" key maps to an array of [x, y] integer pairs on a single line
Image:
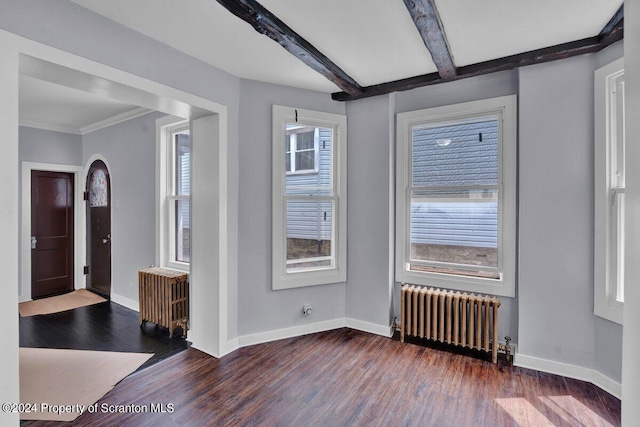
{"points": [[268, 24], [615, 20], [613, 32], [427, 20]]}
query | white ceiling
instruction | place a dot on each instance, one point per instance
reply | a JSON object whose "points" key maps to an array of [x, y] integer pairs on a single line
{"points": [[60, 108], [373, 41]]}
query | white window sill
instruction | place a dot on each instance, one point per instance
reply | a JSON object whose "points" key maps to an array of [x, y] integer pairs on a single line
{"points": [[179, 266]]}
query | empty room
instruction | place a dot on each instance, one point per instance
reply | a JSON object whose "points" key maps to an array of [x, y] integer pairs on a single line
{"points": [[365, 212]]}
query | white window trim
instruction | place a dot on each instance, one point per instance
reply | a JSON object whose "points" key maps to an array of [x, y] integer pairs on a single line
{"points": [[506, 107], [281, 279], [606, 304], [165, 239]]}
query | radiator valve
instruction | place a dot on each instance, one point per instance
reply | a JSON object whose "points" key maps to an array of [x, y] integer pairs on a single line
{"points": [[395, 326], [507, 349], [307, 309]]}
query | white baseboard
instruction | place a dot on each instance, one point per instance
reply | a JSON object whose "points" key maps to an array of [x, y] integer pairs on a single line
{"points": [[372, 328], [232, 345], [210, 351], [291, 332], [126, 302], [571, 371], [310, 328]]}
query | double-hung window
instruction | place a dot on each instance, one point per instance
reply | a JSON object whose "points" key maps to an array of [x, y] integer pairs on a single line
{"points": [[174, 184], [309, 198], [456, 196], [609, 191]]}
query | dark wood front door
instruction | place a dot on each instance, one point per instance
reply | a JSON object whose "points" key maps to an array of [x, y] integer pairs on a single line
{"points": [[99, 229], [51, 233]]}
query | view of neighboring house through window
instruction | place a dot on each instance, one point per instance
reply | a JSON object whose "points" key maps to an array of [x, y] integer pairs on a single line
{"points": [[609, 191], [302, 149], [309, 203], [454, 199], [456, 207]]}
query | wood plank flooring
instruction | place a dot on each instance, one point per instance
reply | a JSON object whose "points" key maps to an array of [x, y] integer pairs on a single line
{"points": [[349, 378], [104, 327]]}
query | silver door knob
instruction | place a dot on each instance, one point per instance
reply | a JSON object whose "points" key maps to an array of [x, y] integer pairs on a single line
{"points": [[34, 242], [107, 239]]}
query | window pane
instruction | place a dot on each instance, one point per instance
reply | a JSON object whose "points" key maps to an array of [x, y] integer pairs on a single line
{"points": [[453, 155], [303, 159], [455, 227], [618, 145], [182, 149], [305, 141], [182, 230], [309, 234], [619, 243], [98, 190]]}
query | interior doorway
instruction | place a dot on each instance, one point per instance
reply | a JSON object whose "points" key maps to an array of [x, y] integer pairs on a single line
{"points": [[98, 201], [213, 250], [52, 233]]}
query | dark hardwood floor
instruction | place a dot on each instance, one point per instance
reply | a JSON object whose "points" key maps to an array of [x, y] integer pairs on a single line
{"points": [[105, 326], [349, 378]]}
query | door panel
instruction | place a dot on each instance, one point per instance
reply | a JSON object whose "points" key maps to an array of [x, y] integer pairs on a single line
{"points": [[52, 233], [99, 229]]}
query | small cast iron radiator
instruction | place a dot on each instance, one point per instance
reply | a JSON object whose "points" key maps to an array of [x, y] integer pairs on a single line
{"points": [[450, 317], [164, 298]]}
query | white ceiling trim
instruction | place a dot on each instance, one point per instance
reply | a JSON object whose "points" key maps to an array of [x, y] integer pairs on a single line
{"points": [[118, 118], [48, 126], [110, 121]]}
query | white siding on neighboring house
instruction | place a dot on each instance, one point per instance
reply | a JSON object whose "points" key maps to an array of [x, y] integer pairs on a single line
{"points": [[185, 185], [311, 220], [439, 151]]}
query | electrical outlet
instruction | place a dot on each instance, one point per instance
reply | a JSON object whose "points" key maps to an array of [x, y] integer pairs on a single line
{"points": [[307, 309]]}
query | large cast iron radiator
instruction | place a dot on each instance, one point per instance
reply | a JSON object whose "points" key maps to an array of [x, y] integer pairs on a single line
{"points": [[450, 317]]}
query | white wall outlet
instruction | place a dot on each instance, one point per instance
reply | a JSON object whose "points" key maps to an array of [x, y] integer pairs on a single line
{"points": [[307, 309]]}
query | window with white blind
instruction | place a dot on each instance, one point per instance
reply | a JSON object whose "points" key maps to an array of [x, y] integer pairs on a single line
{"points": [[609, 216], [455, 196]]}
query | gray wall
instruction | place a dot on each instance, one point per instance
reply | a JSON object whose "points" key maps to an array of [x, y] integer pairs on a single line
{"points": [[129, 149], [555, 287], [44, 146], [556, 211], [259, 308], [370, 132]]}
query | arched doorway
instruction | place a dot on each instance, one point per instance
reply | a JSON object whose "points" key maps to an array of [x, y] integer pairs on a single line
{"points": [[98, 199]]}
